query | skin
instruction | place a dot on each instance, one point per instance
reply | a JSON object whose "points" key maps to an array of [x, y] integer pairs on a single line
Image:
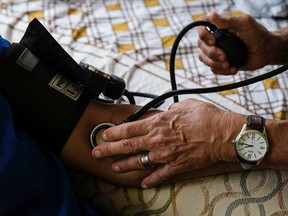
{"points": [[194, 136], [76, 153], [263, 47]]}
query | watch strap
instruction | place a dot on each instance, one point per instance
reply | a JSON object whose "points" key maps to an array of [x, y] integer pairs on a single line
{"points": [[246, 166], [256, 122]]}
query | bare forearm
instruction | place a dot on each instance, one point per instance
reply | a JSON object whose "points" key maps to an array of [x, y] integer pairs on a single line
{"points": [[279, 51], [76, 153], [276, 157], [277, 131], [278, 150]]}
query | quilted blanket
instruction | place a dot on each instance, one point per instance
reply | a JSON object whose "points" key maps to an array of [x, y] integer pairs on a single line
{"points": [[133, 40]]}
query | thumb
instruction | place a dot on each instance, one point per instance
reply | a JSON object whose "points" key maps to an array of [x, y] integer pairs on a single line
{"points": [[226, 21]]}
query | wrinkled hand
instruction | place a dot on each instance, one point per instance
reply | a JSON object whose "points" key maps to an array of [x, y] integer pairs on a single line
{"points": [[186, 137], [258, 41]]}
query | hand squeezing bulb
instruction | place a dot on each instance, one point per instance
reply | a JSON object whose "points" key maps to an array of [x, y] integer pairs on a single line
{"points": [[233, 46]]}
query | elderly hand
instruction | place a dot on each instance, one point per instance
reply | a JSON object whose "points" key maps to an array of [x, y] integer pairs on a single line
{"points": [[192, 134], [257, 39]]}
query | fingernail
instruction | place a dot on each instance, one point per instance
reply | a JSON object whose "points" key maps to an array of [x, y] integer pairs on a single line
{"points": [[220, 56], [97, 154], [233, 71], [116, 169], [225, 65], [210, 42], [104, 136], [144, 186]]}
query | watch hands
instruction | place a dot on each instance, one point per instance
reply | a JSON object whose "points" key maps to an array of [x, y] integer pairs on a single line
{"points": [[247, 145]]}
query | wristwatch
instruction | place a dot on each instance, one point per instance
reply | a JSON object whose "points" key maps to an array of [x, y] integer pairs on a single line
{"points": [[251, 144]]}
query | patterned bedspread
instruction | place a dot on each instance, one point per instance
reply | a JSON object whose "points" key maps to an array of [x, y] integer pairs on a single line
{"points": [[133, 39]]}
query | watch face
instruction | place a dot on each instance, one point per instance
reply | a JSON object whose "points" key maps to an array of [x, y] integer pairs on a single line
{"points": [[252, 146]]}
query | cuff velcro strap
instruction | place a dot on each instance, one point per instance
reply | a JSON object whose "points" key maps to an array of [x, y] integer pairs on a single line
{"points": [[45, 102]]}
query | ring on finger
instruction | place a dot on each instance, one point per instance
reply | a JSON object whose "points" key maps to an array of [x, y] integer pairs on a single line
{"points": [[145, 160]]}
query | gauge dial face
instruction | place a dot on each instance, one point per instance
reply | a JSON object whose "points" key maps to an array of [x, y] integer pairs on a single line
{"points": [[252, 146]]}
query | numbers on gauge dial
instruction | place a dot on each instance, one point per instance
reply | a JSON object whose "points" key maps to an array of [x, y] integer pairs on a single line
{"points": [[251, 146]]}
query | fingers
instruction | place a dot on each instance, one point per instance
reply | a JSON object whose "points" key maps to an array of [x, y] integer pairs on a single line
{"points": [[125, 130], [212, 56], [207, 36], [225, 21], [212, 52], [160, 175], [136, 137], [216, 59], [218, 67], [131, 163], [127, 138], [128, 164], [124, 146]]}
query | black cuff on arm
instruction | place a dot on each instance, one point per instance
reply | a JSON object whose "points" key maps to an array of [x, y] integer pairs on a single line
{"points": [[45, 102]]}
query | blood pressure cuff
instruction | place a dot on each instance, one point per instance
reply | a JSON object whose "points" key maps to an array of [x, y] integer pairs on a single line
{"points": [[46, 101]]}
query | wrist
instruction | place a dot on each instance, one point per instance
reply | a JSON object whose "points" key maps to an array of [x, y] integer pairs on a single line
{"points": [[231, 124], [278, 148], [277, 53]]}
